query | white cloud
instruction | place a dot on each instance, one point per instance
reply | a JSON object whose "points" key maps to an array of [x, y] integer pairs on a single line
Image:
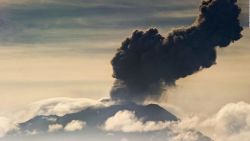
{"points": [[55, 128], [56, 106], [75, 125], [126, 121], [62, 106], [6, 125], [231, 123]]}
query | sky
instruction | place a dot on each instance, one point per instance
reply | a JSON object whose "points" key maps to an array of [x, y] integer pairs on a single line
{"points": [[57, 48]]}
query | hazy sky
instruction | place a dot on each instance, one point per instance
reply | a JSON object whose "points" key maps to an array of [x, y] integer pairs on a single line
{"points": [[57, 48]]}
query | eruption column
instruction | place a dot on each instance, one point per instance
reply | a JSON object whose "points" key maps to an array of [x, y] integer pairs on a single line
{"points": [[147, 63]]}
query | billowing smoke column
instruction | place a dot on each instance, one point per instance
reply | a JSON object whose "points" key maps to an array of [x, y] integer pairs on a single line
{"points": [[147, 62]]}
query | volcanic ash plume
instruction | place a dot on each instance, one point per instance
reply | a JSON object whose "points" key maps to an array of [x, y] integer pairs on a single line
{"points": [[147, 62]]}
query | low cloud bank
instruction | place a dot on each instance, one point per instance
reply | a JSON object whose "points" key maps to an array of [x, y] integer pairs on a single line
{"points": [[231, 122], [126, 121], [6, 125], [55, 106]]}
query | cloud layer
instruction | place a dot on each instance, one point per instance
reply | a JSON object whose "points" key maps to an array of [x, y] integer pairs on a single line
{"points": [[57, 106], [33, 21], [230, 123], [126, 121], [6, 125]]}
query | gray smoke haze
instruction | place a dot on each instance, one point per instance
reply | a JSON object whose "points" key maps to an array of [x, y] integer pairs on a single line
{"points": [[244, 16], [147, 63]]}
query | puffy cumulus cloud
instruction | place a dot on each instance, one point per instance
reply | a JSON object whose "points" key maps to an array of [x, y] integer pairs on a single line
{"points": [[231, 123], [55, 128], [6, 126], [75, 125], [126, 121]]}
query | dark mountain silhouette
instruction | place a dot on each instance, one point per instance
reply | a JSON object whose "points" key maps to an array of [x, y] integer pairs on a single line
{"points": [[96, 116]]}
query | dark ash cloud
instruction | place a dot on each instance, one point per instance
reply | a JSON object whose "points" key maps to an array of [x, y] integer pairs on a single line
{"points": [[147, 62]]}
